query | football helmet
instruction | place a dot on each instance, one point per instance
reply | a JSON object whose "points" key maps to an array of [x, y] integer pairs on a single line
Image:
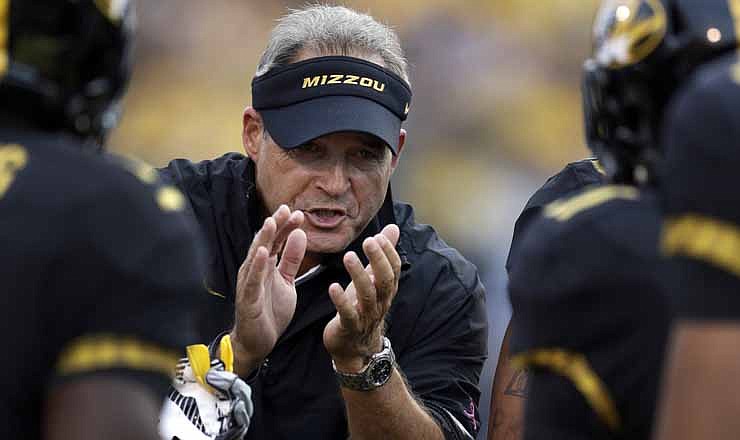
{"points": [[64, 64], [642, 51]]}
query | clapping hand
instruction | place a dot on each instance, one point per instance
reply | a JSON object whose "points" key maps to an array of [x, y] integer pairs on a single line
{"points": [[265, 290], [356, 332]]}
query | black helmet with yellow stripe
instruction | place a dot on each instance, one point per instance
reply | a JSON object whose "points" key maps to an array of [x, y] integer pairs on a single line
{"points": [[642, 51], [64, 64]]}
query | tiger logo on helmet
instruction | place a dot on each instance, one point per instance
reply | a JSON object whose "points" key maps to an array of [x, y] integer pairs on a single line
{"points": [[627, 31]]}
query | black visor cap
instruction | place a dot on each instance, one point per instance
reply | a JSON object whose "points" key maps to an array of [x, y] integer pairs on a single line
{"points": [[320, 96]]}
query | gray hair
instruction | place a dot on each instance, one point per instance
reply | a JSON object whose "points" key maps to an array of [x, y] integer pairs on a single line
{"points": [[332, 30]]}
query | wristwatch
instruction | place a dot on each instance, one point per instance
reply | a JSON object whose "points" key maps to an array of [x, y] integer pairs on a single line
{"points": [[373, 375]]}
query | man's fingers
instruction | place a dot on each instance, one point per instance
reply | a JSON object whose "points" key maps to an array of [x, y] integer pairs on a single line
{"points": [[369, 271], [256, 273], [267, 234], [390, 252], [364, 286], [281, 214], [295, 250], [384, 276], [392, 233], [291, 223], [345, 307], [264, 237]]}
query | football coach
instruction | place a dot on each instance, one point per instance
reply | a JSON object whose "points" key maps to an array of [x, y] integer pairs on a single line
{"points": [[347, 317]]}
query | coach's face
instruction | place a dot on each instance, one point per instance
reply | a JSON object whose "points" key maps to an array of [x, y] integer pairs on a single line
{"points": [[339, 181]]}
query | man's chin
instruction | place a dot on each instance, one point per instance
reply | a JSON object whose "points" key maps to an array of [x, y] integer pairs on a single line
{"points": [[323, 243]]}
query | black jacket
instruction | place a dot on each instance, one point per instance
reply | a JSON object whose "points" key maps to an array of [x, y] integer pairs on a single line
{"points": [[437, 323]]}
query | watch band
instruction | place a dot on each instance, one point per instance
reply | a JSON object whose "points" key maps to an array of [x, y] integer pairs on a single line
{"points": [[373, 375]]}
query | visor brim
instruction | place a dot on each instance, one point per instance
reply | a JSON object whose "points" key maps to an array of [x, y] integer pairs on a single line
{"points": [[294, 125]]}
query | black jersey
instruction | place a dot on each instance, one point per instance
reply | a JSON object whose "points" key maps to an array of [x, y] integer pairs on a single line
{"points": [[573, 178], [590, 320], [100, 273], [702, 192]]}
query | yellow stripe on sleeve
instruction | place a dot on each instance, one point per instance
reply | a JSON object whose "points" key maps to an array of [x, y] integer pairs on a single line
{"points": [[564, 210], [577, 369], [104, 352], [710, 240]]}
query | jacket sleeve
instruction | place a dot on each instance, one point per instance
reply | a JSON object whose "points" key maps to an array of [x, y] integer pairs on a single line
{"points": [[446, 351]]}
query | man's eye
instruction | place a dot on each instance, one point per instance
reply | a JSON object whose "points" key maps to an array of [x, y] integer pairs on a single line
{"points": [[369, 154], [309, 148]]}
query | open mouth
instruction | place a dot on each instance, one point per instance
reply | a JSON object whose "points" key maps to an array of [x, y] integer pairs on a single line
{"points": [[325, 218]]}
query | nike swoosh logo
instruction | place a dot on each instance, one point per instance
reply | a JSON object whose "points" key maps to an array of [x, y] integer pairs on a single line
{"points": [[213, 292]]}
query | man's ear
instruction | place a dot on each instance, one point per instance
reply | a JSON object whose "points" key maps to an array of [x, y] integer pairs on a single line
{"points": [[252, 132], [397, 156]]}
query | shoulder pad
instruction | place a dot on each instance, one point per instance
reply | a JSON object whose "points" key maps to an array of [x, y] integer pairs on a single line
{"points": [[167, 197], [564, 210]]}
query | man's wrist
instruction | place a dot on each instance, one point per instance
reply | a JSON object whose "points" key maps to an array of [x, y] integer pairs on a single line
{"points": [[354, 364], [244, 363], [350, 365], [373, 374]]}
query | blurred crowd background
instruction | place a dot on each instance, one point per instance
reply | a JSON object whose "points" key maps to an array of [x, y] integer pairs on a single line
{"points": [[496, 106]]}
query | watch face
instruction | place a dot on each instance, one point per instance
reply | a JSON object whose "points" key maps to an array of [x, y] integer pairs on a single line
{"points": [[380, 371]]}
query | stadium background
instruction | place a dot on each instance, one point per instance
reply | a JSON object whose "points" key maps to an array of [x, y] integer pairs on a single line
{"points": [[496, 106]]}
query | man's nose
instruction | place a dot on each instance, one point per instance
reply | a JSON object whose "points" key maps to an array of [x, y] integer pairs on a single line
{"points": [[335, 179]]}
